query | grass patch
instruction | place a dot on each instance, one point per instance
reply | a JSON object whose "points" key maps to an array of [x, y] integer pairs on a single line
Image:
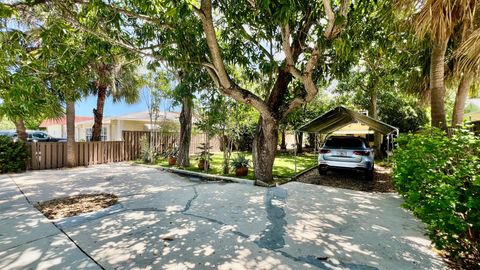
{"points": [[283, 168]]}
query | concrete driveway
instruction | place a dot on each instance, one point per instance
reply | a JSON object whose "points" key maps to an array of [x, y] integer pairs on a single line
{"points": [[165, 221]]}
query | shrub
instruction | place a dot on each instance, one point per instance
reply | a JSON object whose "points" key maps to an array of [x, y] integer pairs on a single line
{"points": [[240, 161], [439, 178], [13, 155], [148, 153]]}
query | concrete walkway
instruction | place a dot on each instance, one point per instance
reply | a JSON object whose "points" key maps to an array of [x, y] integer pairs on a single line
{"points": [[165, 221]]}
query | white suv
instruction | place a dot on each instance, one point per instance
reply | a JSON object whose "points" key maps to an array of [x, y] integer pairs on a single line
{"points": [[346, 152]]}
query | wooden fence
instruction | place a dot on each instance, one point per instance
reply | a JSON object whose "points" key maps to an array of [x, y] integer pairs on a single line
{"points": [[162, 142], [52, 155]]}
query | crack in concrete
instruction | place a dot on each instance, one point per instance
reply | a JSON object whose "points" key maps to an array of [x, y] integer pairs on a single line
{"points": [[189, 202], [60, 229], [276, 217]]}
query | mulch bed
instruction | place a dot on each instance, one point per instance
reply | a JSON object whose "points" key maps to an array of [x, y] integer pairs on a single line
{"points": [[352, 180], [77, 204]]}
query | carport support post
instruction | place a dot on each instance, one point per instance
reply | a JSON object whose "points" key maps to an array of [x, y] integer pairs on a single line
{"points": [[295, 151]]}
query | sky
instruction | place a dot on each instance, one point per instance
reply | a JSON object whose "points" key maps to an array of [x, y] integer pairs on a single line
{"points": [[85, 106]]}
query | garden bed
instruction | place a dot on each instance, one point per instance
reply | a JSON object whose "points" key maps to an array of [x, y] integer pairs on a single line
{"points": [[351, 180], [75, 205], [283, 168]]}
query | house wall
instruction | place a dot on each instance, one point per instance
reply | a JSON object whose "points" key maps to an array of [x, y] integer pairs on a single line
{"points": [[133, 125], [55, 131], [473, 117], [81, 131]]}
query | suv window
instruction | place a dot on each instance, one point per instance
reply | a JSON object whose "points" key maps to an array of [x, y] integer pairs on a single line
{"points": [[40, 135], [344, 143]]}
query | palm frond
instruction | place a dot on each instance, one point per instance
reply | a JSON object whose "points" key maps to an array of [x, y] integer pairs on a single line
{"points": [[438, 18], [468, 53]]}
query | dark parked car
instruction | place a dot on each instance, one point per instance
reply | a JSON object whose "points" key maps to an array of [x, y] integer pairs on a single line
{"points": [[33, 136], [42, 136]]}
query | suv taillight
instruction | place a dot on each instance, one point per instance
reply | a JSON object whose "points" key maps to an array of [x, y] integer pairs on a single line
{"points": [[361, 153], [324, 151]]}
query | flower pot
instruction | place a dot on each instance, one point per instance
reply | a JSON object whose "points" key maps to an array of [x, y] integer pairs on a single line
{"points": [[241, 171], [201, 164], [172, 161]]}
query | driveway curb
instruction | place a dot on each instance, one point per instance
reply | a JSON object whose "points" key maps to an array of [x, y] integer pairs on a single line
{"points": [[207, 176]]}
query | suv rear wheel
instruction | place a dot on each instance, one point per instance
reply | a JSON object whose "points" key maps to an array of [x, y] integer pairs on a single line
{"points": [[322, 170], [369, 174]]}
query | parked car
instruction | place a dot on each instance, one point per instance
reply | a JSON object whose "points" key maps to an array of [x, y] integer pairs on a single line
{"points": [[42, 136], [32, 136], [346, 152], [9, 133]]}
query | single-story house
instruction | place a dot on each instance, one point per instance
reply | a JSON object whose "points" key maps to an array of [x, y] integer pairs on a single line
{"points": [[112, 127], [472, 117], [58, 127]]}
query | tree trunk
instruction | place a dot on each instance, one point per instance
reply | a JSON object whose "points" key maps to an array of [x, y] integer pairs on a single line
{"points": [[71, 134], [299, 141], [264, 149], [283, 144], [437, 84], [98, 113], [183, 156], [373, 112], [227, 152], [311, 140], [461, 98], [21, 130]]}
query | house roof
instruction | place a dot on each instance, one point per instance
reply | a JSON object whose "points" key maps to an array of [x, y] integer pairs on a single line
{"points": [[63, 121], [340, 117], [139, 116], [145, 116]]}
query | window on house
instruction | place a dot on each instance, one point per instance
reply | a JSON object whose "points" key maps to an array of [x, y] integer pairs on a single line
{"points": [[88, 135]]}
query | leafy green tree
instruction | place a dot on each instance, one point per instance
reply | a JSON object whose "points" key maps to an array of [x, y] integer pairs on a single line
{"points": [[25, 97], [302, 31]]}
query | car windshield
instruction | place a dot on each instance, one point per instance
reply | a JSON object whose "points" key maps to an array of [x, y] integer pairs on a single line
{"points": [[344, 143], [40, 135]]}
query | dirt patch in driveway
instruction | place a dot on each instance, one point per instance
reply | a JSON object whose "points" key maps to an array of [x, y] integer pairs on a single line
{"points": [[74, 205], [352, 180]]}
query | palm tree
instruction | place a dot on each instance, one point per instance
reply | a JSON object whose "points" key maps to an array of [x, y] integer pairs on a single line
{"points": [[117, 78], [438, 20], [468, 63]]}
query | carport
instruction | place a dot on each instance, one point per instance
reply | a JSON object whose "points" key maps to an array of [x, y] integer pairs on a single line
{"points": [[339, 117]]}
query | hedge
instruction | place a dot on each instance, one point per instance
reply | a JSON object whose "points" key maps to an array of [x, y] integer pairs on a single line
{"points": [[439, 178], [13, 155]]}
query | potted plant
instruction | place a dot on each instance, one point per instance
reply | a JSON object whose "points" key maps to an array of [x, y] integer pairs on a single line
{"points": [[204, 160], [240, 164], [172, 156], [204, 157]]}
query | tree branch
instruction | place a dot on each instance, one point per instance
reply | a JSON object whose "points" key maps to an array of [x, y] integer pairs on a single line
{"points": [[287, 49], [129, 13], [254, 41], [226, 86], [332, 30], [304, 77]]}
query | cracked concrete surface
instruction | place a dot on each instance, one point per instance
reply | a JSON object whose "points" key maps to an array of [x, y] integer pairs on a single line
{"points": [[164, 221]]}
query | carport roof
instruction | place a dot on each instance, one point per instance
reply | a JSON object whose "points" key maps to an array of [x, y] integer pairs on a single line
{"points": [[340, 117]]}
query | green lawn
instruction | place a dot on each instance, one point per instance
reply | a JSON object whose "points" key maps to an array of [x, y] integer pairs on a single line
{"points": [[283, 168]]}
